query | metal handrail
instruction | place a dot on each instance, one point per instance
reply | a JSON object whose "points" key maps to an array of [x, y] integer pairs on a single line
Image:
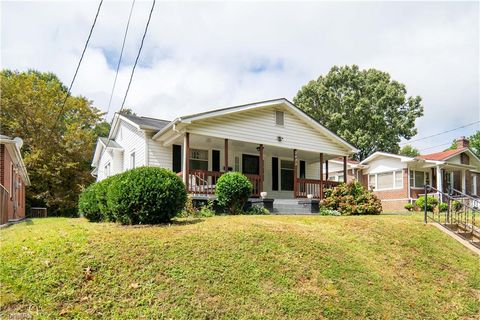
{"points": [[460, 220]]}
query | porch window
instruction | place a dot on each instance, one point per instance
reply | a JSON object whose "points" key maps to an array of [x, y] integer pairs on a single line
{"points": [[198, 159], [418, 179], [250, 164], [286, 175]]}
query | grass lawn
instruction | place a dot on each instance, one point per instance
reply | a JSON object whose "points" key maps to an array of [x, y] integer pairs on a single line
{"points": [[242, 267]]}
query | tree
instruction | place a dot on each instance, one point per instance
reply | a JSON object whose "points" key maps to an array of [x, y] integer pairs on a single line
{"points": [[58, 161], [365, 107], [474, 140], [409, 151], [128, 112]]}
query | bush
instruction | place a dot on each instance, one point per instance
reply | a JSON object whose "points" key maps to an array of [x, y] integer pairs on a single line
{"points": [[233, 190], [352, 199], [432, 202], [328, 212], [456, 206], [443, 207], [102, 197], [146, 195], [88, 204], [409, 207], [257, 210]]}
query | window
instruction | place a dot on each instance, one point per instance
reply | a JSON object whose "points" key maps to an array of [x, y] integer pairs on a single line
{"points": [[132, 160], [107, 170], [250, 164], [286, 175], [279, 118], [418, 179], [386, 180], [474, 185], [198, 159]]}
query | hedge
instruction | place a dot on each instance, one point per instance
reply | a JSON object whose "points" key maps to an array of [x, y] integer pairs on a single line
{"points": [[232, 190]]}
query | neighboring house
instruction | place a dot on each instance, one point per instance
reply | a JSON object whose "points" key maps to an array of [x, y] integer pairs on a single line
{"points": [[13, 179], [276, 145], [397, 179]]}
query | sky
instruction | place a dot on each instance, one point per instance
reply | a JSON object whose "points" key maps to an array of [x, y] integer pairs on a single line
{"points": [[200, 56]]}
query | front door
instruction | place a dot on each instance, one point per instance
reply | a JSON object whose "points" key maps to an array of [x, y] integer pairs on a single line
{"points": [[250, 164]]}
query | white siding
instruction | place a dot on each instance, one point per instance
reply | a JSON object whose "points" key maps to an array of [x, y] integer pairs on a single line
{"points": [[384, 165], [258, 126], [158, 155], [133, 140]]}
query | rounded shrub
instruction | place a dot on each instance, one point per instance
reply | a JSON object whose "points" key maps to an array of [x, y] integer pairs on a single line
{"points": [[442, 207], [352, 199], [146, 195], [409, 207], [102, 197], [88, 204], [233, 190]]}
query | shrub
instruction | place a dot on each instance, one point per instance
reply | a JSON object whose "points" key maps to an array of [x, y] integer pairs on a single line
{"points": [[443, 207], [257, 210], [456, 206], [409, 206], [352, 199], [146, 195], [328, 212], [88, 204], [206, 210], [432, 202], [102, 197], [233, 190]]}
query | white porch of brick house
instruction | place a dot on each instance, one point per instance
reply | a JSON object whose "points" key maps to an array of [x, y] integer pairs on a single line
{"points": [[309, 166]]}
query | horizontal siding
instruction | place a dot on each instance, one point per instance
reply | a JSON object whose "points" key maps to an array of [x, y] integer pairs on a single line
{"points": [[158, 155], [132, 140], [258, 126]]}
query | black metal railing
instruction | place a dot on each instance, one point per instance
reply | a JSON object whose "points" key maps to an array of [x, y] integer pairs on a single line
{"points": [[458, 215]]}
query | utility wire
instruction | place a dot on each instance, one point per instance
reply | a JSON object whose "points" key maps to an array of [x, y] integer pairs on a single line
{"points": [[440, 133], [440, 145], [119, 60], [131, 76], [62, 109]]}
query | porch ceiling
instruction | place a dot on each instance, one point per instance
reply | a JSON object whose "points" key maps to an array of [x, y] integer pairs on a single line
{"points": [[205, 142]]}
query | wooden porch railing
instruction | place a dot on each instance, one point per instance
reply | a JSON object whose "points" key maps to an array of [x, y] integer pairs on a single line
{"points": [[204, 182], [312, 186]]}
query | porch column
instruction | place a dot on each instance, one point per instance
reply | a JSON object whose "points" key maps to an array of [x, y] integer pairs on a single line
{"points": [[186, 162], [464, 181], [345, 169], [326, 170], [439, 179], [261, 169], [321, 176], [226, 155], [295, 166]]}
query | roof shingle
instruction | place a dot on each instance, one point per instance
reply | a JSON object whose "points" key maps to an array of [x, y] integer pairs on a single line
{"points": [[439, 156]]}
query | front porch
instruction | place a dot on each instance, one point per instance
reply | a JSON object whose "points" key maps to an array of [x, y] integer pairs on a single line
{"points": [[281, 172]]}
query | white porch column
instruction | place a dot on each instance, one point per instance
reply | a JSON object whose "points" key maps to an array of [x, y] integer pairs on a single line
{"points": [[464, 181], [439, 179], [186, 154]]}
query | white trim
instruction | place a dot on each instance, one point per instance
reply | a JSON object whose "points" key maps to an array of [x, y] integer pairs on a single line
{"points": [[394, 173]]}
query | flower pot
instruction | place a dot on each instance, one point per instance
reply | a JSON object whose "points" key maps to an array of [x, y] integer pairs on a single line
{"points": [[310, 196], [263, 195]]}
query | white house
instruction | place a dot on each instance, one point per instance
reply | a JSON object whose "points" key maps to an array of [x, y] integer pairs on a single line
{"points": [[277, 146]]}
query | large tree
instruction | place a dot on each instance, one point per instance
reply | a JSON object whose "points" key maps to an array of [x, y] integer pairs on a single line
{"points": [[57, 154], [365, 107], [409, 151]]}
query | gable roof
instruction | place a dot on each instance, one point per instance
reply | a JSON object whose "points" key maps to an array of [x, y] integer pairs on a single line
{"points": [[377, 154], [267, 103], [111, 143], [146, 123], [13, 147]]}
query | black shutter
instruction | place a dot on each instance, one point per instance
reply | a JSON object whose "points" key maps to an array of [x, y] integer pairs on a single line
{"points": [[177, 158], [274, 173], [216, 160], [302, 169]]}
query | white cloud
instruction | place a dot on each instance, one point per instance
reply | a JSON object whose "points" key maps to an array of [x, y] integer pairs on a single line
{"points": [[200, 56]]}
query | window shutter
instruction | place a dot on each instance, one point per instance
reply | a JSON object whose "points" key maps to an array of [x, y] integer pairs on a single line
{"points": [[177, 158], [274, 173], [216, 160]]}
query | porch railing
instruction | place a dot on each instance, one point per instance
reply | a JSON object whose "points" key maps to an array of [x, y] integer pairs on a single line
{"points": [[204, 182], [312, 186]]}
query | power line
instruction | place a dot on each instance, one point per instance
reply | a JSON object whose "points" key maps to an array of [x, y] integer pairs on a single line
{"points": [[62, 109], [131, 75], [440, 133], [119, 60], [440, 145]]}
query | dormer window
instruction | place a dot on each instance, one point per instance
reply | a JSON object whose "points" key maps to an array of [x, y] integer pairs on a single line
{"points": [[279, 118]]}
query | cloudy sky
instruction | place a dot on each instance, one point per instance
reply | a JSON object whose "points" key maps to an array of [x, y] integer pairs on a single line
{"points": [[204, 55]]}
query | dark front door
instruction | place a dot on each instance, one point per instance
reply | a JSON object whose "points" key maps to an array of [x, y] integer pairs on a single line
{"points": [[250, 164]]}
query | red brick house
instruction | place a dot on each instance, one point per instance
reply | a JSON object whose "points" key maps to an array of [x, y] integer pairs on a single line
{"points": [[13, 180], [398, 180]]}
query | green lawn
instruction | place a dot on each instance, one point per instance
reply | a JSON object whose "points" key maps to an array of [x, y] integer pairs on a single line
{"points": [[242, 267]]}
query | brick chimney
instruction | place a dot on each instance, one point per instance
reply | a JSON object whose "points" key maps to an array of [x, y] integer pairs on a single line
{"points": [[462, 142]]}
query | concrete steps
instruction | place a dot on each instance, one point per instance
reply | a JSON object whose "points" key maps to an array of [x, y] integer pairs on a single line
{"points": [[291, 206]]}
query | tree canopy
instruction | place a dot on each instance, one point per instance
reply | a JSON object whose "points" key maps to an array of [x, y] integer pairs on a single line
{"points": [[409, 151], [365, 107], [58, 161], [474, 143]]}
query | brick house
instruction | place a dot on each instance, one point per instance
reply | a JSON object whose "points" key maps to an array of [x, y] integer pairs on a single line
{"points": [[13, 180], [398, 180]]}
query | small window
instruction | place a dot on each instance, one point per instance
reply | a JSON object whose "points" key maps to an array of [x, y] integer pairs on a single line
{"points": [[418, 179], [198, 159], [372, 181], [398, 179], [132, 160], [279, 118], [107, 170]]}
